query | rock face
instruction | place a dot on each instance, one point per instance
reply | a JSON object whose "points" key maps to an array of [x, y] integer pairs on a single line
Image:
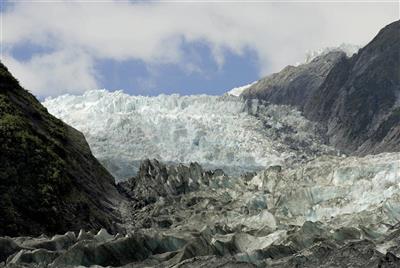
{"points": [[330, 212], [295, 85], [49, 180], [357, 99]]}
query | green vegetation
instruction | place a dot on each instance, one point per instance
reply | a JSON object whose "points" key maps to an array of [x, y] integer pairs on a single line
{"points": [[32, 172], [45, 166]]}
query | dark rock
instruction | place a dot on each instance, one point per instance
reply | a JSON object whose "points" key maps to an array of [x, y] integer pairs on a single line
{"points": [[7, 248], [294, 85], [344, 234], [113, 253], [278, 251], [213, 262], [365, 87], [49, 180], [58, 242], [84, 235], [326, 254], [309, 234], [355, 99], [122, 251], [156, 179], [34, 257], [390, 260]]}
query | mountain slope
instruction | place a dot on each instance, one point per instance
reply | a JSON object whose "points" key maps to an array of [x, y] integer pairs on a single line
{"points": [[365, 87], [294, 85], [357, 99], [49, 180]]}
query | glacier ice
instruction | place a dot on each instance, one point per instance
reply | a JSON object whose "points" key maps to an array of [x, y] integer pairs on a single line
{"points": [[351, 192], [328, 212], [342, 191], [239, 90], [216, 131], [331, 200], [349, 49], [236, 135]]}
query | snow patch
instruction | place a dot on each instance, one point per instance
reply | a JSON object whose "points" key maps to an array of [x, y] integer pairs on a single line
{"points": [[349, 49], [237, 91]]}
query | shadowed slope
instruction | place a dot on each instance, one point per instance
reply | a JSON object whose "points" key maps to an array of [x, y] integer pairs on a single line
{"points": [[357, 99], [49, 180]]}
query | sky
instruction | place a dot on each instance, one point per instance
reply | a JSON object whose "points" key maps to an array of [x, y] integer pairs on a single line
{"points": [[54, 47]]}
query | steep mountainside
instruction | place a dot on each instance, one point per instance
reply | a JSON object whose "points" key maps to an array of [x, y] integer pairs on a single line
{"points": [[49, 180], [357, 99], [294, 85]]}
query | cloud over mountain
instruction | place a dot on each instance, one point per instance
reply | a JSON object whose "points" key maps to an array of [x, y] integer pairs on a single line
{"points": [[72, 36]]}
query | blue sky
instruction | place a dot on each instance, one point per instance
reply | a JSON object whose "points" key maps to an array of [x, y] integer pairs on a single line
{"points": [[136, 77], [57, 47], [139, 78]]}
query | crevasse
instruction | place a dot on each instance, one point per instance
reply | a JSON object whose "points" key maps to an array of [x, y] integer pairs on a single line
{"points": [[216, 131]]}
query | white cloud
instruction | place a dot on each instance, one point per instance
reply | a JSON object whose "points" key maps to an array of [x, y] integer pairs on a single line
{"points": [[55, 73], [279, 33]]}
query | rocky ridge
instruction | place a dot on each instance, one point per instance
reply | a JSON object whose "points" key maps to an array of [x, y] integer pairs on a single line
{"points": [[333, 89]]}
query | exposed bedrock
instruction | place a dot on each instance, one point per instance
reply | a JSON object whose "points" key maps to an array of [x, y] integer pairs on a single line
{"points": [[356, 99]]}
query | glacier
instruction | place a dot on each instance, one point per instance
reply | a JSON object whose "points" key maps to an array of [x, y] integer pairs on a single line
{"points": [[332, 211], [224, 132], [236, 91], [338, 197], [349, 49], [220, 181], [339, 191], [283, 198]]}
